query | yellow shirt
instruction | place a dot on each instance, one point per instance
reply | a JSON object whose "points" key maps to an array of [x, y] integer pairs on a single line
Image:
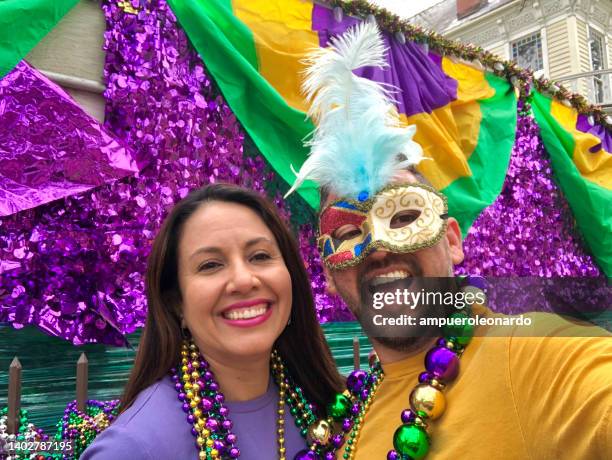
{"points": [[515, 397]]}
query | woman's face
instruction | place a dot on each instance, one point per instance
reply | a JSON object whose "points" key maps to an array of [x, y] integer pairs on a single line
{"points": [[235, 286]]}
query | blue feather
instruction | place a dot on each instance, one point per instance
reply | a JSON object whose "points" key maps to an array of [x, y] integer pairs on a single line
{"points": [[358, 137]]}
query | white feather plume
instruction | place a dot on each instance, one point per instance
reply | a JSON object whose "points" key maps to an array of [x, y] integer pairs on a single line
{"points": [[358, 138]]}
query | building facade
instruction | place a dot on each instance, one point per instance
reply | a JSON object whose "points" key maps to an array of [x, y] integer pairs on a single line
{"points": [[569, 41]]}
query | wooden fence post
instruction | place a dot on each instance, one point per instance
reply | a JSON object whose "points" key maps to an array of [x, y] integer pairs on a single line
{"points": [[14, 396], [356, 360], [81, 382]]}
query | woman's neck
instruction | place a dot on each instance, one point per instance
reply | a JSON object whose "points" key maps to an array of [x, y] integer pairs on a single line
{"points": [[241, 379]]}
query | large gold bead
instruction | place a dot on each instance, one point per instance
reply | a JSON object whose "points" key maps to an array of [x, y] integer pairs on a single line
{"points": [[428, 400], [319, 431]]}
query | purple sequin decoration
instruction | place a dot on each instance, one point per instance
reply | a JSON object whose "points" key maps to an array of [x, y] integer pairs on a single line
{"points": [[529, 230], [75, 266]]}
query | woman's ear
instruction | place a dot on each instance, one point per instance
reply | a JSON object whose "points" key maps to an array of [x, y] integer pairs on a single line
{"points": [[453, 237]]}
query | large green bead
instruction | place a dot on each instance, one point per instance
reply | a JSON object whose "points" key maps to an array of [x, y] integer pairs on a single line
{"points": [[461, 334], [339, 408], [411, 440]]}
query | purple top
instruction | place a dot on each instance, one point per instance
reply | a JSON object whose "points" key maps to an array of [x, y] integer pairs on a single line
{"points": [[156, 428]]}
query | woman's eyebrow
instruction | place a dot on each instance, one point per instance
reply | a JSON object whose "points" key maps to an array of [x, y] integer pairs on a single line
{"points": [[217, 250], [259, 239]]}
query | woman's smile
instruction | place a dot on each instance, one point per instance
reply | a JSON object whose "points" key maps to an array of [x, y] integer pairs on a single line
{"points": [[248, 313]]}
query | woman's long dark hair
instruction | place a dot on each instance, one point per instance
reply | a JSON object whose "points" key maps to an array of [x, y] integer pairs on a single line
{"points": [[301, 345]]}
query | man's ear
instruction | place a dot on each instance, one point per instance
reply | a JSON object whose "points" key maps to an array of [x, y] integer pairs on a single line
{"points": [[453, 236], [331, 286]]}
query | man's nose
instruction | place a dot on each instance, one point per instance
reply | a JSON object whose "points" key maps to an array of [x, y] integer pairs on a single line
{"points": [[377, 256]]}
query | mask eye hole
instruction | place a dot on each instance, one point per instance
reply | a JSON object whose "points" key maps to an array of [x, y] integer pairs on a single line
{"points": [[404, 218], [347, 232]]}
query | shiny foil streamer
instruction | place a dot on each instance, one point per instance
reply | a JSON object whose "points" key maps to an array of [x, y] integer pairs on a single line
{"points": [[49, 147]]}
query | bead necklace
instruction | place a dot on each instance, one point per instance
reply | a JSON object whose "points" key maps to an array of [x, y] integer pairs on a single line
{"points": [[204, 405], [427, 402]]}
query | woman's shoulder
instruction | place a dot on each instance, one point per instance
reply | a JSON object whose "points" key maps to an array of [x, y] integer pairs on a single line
{"points": [[152, 428]]}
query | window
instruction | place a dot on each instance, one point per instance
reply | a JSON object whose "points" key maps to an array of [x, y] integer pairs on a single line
{"points": [[600, 83], [598, 49], [527, 52]]}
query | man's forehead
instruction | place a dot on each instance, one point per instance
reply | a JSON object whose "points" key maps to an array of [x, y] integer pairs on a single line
{"points": [[401, 177]]}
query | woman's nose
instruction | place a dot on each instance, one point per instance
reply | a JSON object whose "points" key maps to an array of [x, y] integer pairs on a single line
{"points": [[242, 278]]}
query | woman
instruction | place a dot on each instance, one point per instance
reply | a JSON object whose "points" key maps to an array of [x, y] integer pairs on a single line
{"points": [[228, 295]]}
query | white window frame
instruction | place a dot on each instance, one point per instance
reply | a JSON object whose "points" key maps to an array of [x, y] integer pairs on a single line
{"points": [[607, 79], [528, 33]]}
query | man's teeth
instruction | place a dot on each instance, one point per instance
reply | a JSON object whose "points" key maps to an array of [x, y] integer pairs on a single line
{"points": [[389, 277], [246, 313]]}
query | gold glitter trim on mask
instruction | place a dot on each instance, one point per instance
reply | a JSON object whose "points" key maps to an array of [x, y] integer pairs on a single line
{"points": [[380, 207]]}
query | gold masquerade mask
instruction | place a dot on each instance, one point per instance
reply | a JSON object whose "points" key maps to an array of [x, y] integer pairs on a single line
{"points": [[399, 218]]}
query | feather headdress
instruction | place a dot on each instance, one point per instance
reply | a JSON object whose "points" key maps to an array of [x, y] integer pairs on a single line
{"points": [[358, 138]]}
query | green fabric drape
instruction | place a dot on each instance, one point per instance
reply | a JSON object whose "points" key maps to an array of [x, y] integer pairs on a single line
{"points": [[590, 203], [469, 196], [23, 23], [226, 46]]}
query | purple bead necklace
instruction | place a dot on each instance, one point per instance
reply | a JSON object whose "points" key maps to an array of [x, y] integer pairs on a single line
{"points": [[208, 416], [427, 402]]}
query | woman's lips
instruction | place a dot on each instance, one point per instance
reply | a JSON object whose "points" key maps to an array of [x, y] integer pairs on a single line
{"points": [[247, 315]]}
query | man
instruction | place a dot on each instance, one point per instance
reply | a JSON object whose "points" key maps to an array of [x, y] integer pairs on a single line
{"points": [[514, 398], [539, 392]]}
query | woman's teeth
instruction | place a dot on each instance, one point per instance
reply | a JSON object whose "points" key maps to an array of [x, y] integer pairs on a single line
{"points": [[389, 277], [246, 313]]}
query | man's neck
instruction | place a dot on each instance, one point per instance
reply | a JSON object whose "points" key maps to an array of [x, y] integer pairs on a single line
{"points": [[388, 355]]}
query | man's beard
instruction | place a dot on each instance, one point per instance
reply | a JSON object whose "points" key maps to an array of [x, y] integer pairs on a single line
{"points": [[409, 337], [402, 344]]}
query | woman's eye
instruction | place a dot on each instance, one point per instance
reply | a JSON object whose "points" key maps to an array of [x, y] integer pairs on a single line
{"points": [[347, 232], [207, 266], [261, 256]]}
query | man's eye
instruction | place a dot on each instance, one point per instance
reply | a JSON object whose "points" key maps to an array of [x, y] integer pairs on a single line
{"points": [[347, 232], [404, 218]]}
